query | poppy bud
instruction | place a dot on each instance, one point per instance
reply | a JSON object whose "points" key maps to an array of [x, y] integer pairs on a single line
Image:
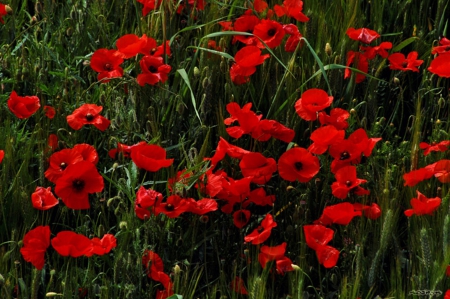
{"points": [[176, 270], [438, 122], [205, 83], [352, 111], [8, 9], [328, 49], [52, 294], [396, 81], [101, 230], [441, 102], [123, 225]]}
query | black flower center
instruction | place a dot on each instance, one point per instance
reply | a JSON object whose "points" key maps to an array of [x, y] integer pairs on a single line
{"points": [[153, 69], [404, 64], [298, 166], [89, 117], [348, 183], [78, 184], [271, 32], [108, 67], [152, 51], [63, 165], [170, 207], [260, 229], [344, 156]]}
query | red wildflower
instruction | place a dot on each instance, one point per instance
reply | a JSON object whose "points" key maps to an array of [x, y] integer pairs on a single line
{"points": [[88, 114], [284, 264], [444, 47], [174, 206], [77, 181], [241, 218], [317, 235], [270, 32], [238, 286], [180, 182], [4, 10], [434, 147], [271, 253], [291, 8], [195, 4], [447, 295], [154, 267], [345, 153], [49, 112], [102, 246], [43, 198], [150, 157], [361, 62], [294, 37], [35, 244], [224, 148], [414, 177], [399, 62], [371, 52], [441, 65], [297, 164], [59, 162], [145, 201], [246, 23], [365, 144], [107, 64], [52, 142], [149, 5], [260, 5], [68, 243], [447, 271], [311, 102], [442, 171], [202, 206], [124, 149], [246, 60], [23, 107], [346, 181], [130, 45], [2, 155], [423, 205], [262, 233], [258, 197], [337, 118], [258, 167], [267, 128], [363, 35], [226, 25], [341, 213], [323, 137], [327, 256], [87, 151], [372, 212], [153, 70]]}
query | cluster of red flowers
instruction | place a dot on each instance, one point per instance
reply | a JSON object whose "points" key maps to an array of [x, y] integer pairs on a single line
{"points": [[66, 243], [153, 70], [440, 65], [154, 268], [262, 33]]}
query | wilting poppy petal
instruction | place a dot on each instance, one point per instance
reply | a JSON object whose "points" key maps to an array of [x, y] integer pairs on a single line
{"points": [[35, 244]]}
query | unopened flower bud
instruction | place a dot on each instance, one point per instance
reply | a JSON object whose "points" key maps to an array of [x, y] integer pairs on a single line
{"points": [[328, 49]]}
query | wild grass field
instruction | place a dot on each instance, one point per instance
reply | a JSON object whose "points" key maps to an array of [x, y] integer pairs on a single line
{"points": [[224, 149]]}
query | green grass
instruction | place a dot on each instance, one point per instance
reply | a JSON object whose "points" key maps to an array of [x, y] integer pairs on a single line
{"points": [[45, 48]]}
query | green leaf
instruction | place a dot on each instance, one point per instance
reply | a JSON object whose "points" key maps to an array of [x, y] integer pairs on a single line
{"points": [[185, 77], [404, 43], [175, 297], [319, 62], [223, 54]]}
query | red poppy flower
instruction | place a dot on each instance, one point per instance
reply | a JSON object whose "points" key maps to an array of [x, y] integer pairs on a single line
{"points": [[49, 111], [260, 5], [241, 218], [292, 9], [270, 32], [434, 147], [35, 244], [297, 164], [372, 212], [346, 181], [284, 265], [87, 151], [258, 167], [52, 142], [174, 206], [149, 5], [77, 181], [447, 295], [124, 149], [345, 153], [399, 62], [88, 114], [371, 52], [258, 197], [267, 128], [365, 144], [238, 286], [152, 49], [153, 70], [262, 233], [150, 157], [43, 199], [337, 118], [246, 60], [248, 120], [246, 23], [312, 101], [442, 171], [361, 62], [232, 191], [327, 256], [68, 243], [414, 177], [23, 107], [2, 155], [444, 47], [102, 246], [294, 37], [271, 253], [441, 65], [323, 137], [447, 271], [317, 235], [59, 162], [4, 10], [154, 267], [341, 213], [145, 201], [423, 205], [224, 148], [130, 45], [202, 206], [363, 35], [107, 64], [194, 4]]}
